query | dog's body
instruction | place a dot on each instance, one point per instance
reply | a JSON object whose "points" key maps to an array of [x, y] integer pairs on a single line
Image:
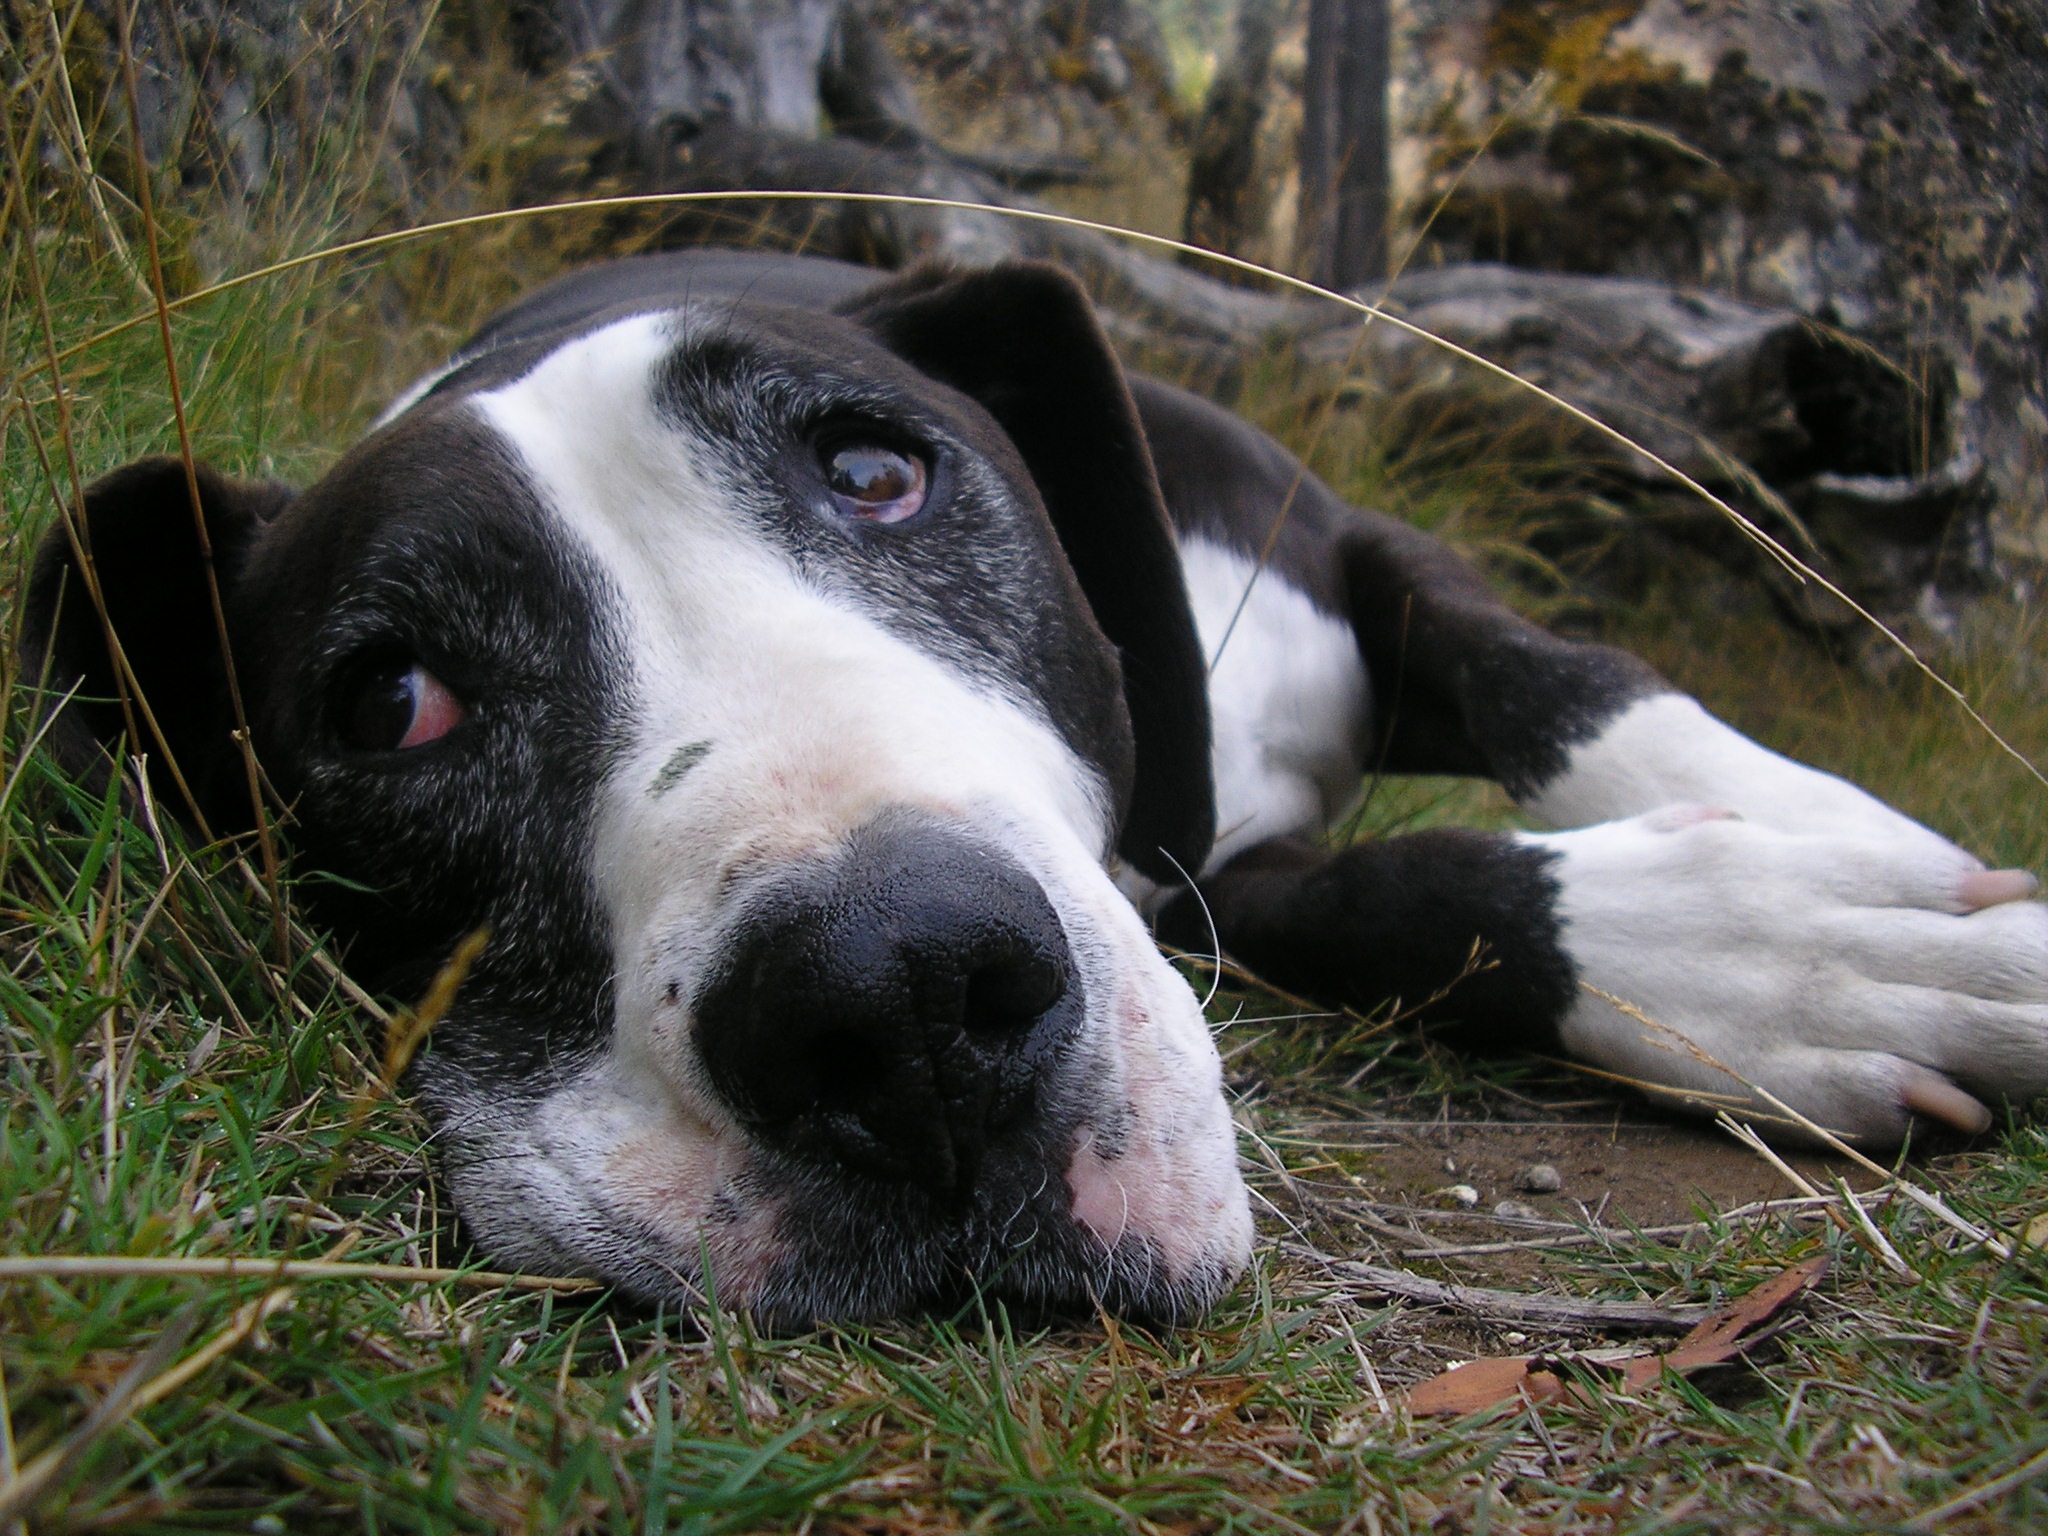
{"points": [[789, 665]]}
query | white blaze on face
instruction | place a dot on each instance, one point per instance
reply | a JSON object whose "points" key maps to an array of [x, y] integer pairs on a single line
{"points": [[770, 718]]}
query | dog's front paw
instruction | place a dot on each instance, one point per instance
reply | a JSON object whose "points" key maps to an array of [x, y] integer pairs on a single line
{"points": [[1861, 979]]}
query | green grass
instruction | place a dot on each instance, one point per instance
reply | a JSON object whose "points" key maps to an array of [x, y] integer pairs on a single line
{"points": [[175, 1085]]}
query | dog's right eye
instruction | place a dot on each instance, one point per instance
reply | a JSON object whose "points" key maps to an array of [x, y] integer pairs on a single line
{"points": [[398, 705], [874, 483]]}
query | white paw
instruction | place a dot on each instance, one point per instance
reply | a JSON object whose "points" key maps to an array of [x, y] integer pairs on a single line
{"points": [[1850, 973]]}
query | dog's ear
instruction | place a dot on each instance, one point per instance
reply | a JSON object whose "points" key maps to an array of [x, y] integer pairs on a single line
{"points": [[1023, 342], [128, 575]]}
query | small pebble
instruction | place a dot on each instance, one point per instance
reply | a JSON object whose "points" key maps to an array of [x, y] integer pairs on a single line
{"points": [[1464, 1194], [1515, 1209], [1540, 1179]]}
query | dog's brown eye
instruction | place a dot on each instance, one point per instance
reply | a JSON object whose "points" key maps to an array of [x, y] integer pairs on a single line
{"points": [[879, 485], [400, 706]]}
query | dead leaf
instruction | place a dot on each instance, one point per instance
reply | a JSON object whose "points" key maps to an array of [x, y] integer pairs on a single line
{"points": [[1480, 1384], [1720, 1337]]}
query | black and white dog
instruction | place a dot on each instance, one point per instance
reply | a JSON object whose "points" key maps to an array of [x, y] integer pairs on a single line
{"points": [[808, 678]]}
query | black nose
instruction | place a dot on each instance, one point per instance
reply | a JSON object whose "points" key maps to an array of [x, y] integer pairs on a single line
{"points": [[892, 1009]]}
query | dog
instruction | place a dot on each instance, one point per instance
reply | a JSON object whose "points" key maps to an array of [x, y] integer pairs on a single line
{"points": [[814, 681]]}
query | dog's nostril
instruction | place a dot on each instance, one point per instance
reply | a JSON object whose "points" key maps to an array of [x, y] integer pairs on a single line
{"points": [[842, 1067], [1013, 995]]}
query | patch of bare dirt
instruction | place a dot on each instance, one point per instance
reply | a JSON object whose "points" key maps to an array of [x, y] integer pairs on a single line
{"points": [[1615, 1172]]}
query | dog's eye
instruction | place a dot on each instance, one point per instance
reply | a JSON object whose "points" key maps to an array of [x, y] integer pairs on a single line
{"points": [[876, 484], [399, 705]]}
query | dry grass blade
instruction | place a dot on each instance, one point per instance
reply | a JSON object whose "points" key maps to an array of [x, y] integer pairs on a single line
{"points": [[91, 1266], [143, 1384], [122, 1400], [1862, 1230], [2033, 1469], [1748, 1137], [1925, 1198]]}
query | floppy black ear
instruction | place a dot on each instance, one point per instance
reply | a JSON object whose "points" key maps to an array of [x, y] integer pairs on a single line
{"points": [[1023, 342], [129, 572]]}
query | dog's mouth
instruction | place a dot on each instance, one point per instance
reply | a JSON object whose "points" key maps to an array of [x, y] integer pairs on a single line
{"points": [[1134, 1208]]}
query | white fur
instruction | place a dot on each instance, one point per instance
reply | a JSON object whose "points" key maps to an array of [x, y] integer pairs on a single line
{"points": [[1833, 967], [1667, 750], [1288, 696], [815, 719], [1791, 927]]}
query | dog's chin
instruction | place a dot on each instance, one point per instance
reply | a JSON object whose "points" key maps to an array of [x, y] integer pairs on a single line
{"points": [[1132, 1205], [829, 1246], [854, 1250]]}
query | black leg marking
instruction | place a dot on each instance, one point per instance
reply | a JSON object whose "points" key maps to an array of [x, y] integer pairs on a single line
{"points": [[1462, 683], [1400, 919]]}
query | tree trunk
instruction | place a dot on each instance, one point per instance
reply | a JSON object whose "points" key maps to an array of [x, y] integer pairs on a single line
{"points": [[1227, 203], [1344, 142]]}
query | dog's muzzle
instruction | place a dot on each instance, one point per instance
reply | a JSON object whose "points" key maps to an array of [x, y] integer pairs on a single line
{"points": [[893, 1010]]}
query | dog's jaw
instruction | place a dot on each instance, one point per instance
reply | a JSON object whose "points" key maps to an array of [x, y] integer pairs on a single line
{"points": [[753, 744]]}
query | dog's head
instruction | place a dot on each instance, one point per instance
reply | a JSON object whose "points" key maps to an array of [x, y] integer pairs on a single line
{"points": [[773, 687]]}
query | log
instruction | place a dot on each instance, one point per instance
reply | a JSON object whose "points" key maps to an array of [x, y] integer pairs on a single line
{"points": [[1878, 166]]}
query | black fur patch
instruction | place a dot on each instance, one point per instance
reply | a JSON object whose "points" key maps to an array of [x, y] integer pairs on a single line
{"points": [[1400, 919], [427, 543], [1463, 684], [142, 542]]}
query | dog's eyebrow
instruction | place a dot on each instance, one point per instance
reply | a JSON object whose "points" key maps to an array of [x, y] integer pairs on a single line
{"points": [[680, 762]]}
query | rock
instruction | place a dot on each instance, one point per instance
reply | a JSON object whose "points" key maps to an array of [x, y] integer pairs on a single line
{"points": [[1515, 1210], [1540, 1179]]}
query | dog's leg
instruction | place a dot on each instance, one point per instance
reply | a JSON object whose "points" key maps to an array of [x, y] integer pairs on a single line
{"points": [[1453, 926], [1775, 926]]}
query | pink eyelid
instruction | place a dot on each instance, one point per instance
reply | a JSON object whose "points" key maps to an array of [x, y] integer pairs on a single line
{"points": [[435, 711], [892, 511]]}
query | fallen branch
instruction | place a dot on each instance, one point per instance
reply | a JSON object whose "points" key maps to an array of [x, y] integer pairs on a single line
{"points": [[1799, 1208], [1721, 1336], [1511, 1306]]}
